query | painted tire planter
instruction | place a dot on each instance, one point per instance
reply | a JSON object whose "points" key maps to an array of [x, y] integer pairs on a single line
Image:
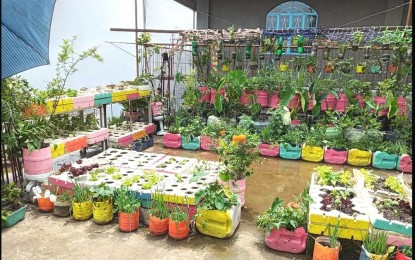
{"points": [[246, 97], [156, 108], [312, 153], [294, 102], [102, 212], [288, 151], [335, 155], [178, 230], [38, 161], [220, 224], [238, 190], [274, 100], [322, 252], [262, 97], [357, 157], [360, 101], [268, 150], [381, 102], [287, 241], [404, 163], [191, 144], [157, 226], [15, 217], [383, 160], [212, 94], [328, 103], [400, 256], [82, 211], [62, 209], [365, 255], [172, 140], [128, 222], [342, 103], [206, 142], [45, 205]]}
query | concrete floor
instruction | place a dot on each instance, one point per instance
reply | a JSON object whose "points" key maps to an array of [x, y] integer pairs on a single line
{"points": [[44, 236]]}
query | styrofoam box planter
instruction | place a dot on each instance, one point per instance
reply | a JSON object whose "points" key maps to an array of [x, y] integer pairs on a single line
{"points": [[83, 101], [63, 180], [312, 153], [383, 160], [57, 147], [102, 98], [96, 136], [175, 164], [120, 137], [335, 156], [404, 163], [220, 224]]}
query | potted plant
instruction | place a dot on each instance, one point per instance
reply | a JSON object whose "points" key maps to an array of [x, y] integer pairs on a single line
{"points": [[44, 198], [290, 147], [178, 223], [360, 153], [268, 146], [172, 138], [328, 247], [127, 205], [385, 154], [404, 253], [335, 151], [210, 134], [284, 66], [190, 133], [361, 91], [81, 202], [102, 203], [12, 211], [312, 149], [218, 211], [361, 67], [63, 204], [357, 39], [285, 227], [375, 246], [226, 63], [341, 52], [158, 215]]}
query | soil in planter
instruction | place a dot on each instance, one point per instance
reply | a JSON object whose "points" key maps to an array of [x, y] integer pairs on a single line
{"points": [[400, 210], [379, 185], [338, 202]]}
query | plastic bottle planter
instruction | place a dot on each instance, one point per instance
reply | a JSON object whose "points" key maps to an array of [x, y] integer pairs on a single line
{"points": [[335, 155], [102, 98], [383, 160], [212, 94], [38, 161], [360, 101], [287, 241], [82, 211], [82, 102], [172, 140], [178, 230], [357, 157], [342, 103], [205, 94], [157, 226], [328, 103], [191, 144], [206, 142], [312, 153], [246, 97], [262, 97], [102, 212], [216, 223], [274, 100], [62, 209], [128, 222], [288, 151], [402, 106], [45, 205], [295, 102], [15, 217], [269, 150], [156, 108], [404, 163], [381, 102], [365, 255], [322, 252]]}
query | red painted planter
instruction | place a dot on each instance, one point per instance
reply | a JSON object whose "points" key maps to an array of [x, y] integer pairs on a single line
{"points": [[287, 241], [402, 106], [38, 161], [342, 103], [205, 94], [360, 100], [295, 122], [381, 102], [156, 108], [268, 150], [206, 141], [295, 102], [246, 98], [178, 230], [334, 156], [128, 222], [158, 226], [274, 100], [405, 163], [262, 97], [172, 140], [310, 102], [212, 94], [328, 103], [400, 256]]}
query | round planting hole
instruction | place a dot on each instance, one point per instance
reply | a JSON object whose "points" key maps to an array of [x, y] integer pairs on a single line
{"points": [[124, 152], [114, 152], [177, 167], [118, 155], [199, 182], [169, 189], [101, 157], [203, 178], [174, 185], [184, 177], [110, 182], [183, 188], [124, 163], [113, 159], [189, 192], [124, 174], [129, 171], [195, 188], [131, 160], [154, 156]]}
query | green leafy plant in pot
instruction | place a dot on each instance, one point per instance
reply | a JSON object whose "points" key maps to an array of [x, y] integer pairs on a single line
{"points": [[179, 221], [127, 205], [12, 211], [81, 202], [158, 215], [102, 203], [375, 246]]}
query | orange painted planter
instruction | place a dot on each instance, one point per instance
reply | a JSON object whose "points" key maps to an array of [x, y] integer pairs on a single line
{"points": [[158, 226], [128, 222], [322, 252], [35, 110], [178, 230], [45, 205]]}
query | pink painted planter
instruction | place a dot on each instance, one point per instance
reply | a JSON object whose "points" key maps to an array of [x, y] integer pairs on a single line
{"points": [[402, 106], [205, 142], [156, 108], [262, 97], [246, 98], [83, 101], [55, 180], [342, 103], [310, 102], [394, 240], [268, 150], [328, 103], [205, 94], [38, 161], [98, 136], [133, 96], [274, 100], [381, 101], [335, 157], [360, 100], [405, 163], [172, 140], [295, 102], [295, 122], [239, 189], [151, 128], [287, 241], [212, 94]]}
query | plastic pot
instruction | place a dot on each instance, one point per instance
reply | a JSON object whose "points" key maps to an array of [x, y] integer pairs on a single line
{"points": [[323, 252], [102, 212], [178, 230], [158, 226], [82, 210], [128, 222], [45, 205]]}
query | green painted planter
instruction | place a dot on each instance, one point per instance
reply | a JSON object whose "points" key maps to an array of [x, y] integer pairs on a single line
{"points": [[102, 98], [383, 160], [332, 133], [287, 151], [15, 217], [191, 144]]}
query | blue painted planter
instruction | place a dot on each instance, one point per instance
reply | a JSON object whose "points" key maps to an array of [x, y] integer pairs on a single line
{"points": [[102, 98], [290, 152], [150, 142], [138, 147], [15, 217], [193, 144], [383, 160], [145, 143]]}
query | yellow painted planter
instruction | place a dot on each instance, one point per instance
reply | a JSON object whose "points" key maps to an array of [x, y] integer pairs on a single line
{"points": [[57, 149], [359, 158], [312, 153], [284, 67], [102, 212], [119, 95], [358, 223], [360, 69], [131, 91], [225, 68], [82, 211], [139, 134], [64, 105], [179, 199], [144, 93], [357, 234], [216, 223]]}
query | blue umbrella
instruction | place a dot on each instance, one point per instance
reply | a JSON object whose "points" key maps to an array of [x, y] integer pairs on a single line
{"points": [[25, 29]]}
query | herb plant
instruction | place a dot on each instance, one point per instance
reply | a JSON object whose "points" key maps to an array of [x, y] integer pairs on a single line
{"points": [[375, 242], [215, 197], [125, 201], [101, 193]]}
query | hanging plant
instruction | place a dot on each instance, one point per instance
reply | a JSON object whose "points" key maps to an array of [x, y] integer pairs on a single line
{"points": [[300, 43], [366, 54], [342, 51], [314, 49], [248, 49], [357, 39], [194, 46], [278, 51], [219, 49]]}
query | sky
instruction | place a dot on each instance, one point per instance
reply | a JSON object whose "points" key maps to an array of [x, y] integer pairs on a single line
{"points": [[91, 21]]}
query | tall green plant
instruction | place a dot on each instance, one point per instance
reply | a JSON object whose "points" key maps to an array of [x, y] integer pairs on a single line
{"points": [[376, 242], [81, 193], [125, 201]]}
